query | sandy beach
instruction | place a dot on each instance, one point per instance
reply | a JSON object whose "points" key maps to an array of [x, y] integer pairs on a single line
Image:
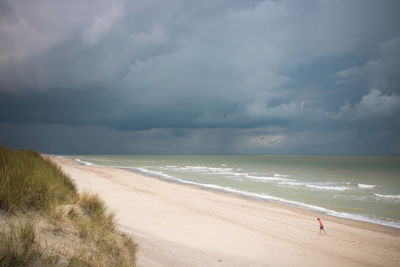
{"points": [[180, 225]]}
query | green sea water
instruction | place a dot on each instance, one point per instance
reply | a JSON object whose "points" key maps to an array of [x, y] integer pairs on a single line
{"points": [[363, 188]]}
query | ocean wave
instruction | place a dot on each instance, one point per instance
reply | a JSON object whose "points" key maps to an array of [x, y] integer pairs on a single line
{"points": [[85, 162], [365, 218], [220, 171], [280, 175], [292, 183], [328, 187], [314, 186], [366, 186], [153, 173], [205, 169], [99, 159], [264, 178], [348, 183], [388, 196], [229, 172]]}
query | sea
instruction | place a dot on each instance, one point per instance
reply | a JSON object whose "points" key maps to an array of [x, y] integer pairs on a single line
{"points": [[364, 188]]}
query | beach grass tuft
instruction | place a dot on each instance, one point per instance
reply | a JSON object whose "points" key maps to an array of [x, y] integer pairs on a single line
{"points": [[18, 246], [97, 211]]}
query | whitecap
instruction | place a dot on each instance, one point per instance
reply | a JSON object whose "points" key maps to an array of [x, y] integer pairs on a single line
{"points": [[280, 175], [153, 173], [291, 183], [366, 186], [264, 178], [388, 196], [328, 187], [85, 162]]}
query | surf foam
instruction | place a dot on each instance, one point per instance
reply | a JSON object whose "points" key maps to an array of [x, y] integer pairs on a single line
{"points": [[85, 162], [388, 196], [366, 186], [327, 187]]}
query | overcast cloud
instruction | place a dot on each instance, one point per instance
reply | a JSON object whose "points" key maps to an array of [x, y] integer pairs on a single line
{"points": [[184, 76]]}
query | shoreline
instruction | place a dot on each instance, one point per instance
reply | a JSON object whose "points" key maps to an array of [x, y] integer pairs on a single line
{"points": [[200, 222], [298, 209], [245, 196], [250, 196]]}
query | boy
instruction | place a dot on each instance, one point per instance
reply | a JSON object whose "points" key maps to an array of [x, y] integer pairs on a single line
{"points": [[321, 226]]}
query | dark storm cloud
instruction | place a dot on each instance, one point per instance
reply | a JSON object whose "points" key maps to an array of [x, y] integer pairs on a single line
{"points": [[202, 76]]}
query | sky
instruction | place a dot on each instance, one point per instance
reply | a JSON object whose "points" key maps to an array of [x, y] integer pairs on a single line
{"points": [[210, 76]]}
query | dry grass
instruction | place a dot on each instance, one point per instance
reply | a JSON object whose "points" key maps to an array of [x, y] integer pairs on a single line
{"points": [[18, 246], [93, 207], [28, 181], [69, 229]]}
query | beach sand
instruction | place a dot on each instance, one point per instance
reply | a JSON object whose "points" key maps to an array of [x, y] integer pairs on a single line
{"points": [[180, 225]]}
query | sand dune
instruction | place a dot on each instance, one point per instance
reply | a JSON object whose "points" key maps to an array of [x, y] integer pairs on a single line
{"points": [[179, 225]]}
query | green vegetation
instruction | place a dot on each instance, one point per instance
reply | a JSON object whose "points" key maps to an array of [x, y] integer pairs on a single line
{"points": [[44, 221], [27, 181], [97, 220]]}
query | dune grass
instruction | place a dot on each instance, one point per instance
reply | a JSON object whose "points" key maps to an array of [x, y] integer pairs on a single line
{"points": [[18, 244], [34, 187], [28, 181]]}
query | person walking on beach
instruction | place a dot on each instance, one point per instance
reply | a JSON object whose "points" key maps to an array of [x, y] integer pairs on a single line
{"points": [[321, 226]]}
